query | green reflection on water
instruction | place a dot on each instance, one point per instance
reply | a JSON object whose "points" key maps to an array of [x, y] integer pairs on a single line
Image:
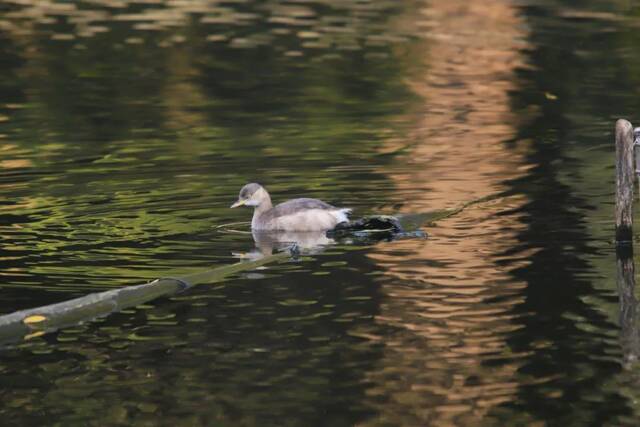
{"points": [[125, 151], [126, 130]]}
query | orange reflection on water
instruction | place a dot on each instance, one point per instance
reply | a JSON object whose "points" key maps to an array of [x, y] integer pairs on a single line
{"points": [[448, 299]]}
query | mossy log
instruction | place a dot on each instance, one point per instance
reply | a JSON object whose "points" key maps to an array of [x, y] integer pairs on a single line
{"points": [[37, 321]]}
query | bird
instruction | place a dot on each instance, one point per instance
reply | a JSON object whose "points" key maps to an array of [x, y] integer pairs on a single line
{"points": [[293, 215]]}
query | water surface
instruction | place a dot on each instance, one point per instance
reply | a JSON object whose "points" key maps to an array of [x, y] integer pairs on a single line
{"points": [[127, 129]]}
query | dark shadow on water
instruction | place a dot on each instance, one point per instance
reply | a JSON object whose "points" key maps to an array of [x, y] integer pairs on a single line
{"points": [[568, 339]]}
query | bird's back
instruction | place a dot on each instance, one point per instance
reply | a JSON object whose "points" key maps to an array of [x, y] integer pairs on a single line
{"points": [[294, 206], [302, 214]]}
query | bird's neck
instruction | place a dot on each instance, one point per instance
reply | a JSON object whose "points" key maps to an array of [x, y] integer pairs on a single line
{"points": [[264, 206]]}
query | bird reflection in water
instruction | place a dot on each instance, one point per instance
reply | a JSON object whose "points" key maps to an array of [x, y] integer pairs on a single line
{"points": [[364, 231], [269, 242]]}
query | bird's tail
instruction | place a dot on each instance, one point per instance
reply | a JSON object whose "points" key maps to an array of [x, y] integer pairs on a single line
{"points": [[343, 214]]}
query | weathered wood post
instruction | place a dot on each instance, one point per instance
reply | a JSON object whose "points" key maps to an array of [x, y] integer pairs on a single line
{"points": [[636, 143], [625, 170]]}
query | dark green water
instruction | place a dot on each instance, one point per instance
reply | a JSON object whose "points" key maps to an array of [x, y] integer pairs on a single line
{"points": [[127, 129]]}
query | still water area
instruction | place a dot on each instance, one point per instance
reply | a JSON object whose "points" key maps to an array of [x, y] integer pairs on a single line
{"points": [[127, 129]]}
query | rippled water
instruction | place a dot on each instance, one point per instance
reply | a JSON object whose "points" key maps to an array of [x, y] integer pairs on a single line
{"points": [[127, 129]]}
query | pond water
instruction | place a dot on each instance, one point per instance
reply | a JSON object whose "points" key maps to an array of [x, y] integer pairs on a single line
{"points": [[127, 129]]}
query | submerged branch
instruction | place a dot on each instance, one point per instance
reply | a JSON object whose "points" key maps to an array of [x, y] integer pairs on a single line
{"points": [[40, 320], [454, 211]]}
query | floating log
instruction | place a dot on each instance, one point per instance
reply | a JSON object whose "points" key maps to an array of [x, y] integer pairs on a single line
{"points": [[37, 321]]}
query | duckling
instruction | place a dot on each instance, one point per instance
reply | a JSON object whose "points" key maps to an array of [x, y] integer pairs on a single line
{"points": [[293, 215]]}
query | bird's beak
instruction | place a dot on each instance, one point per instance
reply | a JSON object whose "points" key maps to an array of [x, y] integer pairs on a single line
{"points": [[238, 203]]}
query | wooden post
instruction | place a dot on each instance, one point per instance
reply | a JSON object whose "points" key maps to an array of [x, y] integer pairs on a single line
{"points": [[625, 171], [636, 142], [627, 166]]}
